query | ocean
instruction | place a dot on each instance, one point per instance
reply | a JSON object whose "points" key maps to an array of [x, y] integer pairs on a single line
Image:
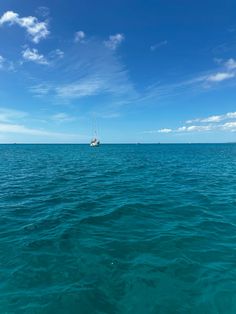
{"points": [[118, 229]]}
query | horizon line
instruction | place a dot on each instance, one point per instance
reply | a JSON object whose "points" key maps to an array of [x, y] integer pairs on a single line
{"points": [[130, 143]]}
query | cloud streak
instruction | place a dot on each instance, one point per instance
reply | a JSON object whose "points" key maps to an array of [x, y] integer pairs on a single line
{"points": [[9, 128], [159, 45], [12, 122], [8, 115], [200, 83]]}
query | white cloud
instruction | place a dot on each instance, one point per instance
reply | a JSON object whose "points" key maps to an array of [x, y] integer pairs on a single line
{"points": [[114, 41], [230, 64], [214, 118], [199, 83], [158, 131], [159, 45], [165, 131], [34, 56], [211, 123], [229, 126], [220, 76], [35, 29], [183, 129], [9, 17], [195, 128], [79, 36], [231, 115], [228, 72]]}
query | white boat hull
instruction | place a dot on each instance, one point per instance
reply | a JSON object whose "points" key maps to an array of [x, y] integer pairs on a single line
{"points": [[94, 144]]}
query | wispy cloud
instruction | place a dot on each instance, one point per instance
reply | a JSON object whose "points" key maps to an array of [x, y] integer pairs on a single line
{"points": [[165, 130], [220, 76], [13, 122], [56, 54], [40, 90], [9, 115], [98, 71], [114, 41], [214, 118], [34, 56], [228, 126], [200, 83], [5, 64], [230, 64], [195, 128], [229, 71], [62, 117], [2, 61], [6, 128], [79, 37], [208, 124], [85, 87], [35, 29], [158, 45], [43, 11]]}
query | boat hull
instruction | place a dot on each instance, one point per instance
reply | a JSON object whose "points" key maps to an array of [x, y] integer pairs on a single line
{"points": [[94, 144]]}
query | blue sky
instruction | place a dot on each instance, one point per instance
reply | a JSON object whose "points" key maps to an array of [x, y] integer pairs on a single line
{"points": [[141, 71]]}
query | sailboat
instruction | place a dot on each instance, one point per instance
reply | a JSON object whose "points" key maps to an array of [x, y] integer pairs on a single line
{"points": [[95, 141]]}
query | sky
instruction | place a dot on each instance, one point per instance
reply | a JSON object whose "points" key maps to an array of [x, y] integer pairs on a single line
{"points": [[136, 71]]}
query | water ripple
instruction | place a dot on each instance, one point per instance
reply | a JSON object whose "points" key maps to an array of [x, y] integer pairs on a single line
{"points": [[119, 229]]}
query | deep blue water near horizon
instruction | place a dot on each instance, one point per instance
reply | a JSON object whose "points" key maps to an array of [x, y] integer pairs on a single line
{"points": [[118, 229]]}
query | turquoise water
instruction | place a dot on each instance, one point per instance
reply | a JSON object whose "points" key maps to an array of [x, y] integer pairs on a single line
{"points": [[118, 229]]}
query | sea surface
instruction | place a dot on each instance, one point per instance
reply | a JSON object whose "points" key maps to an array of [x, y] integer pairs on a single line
{"points": [[118, 229]]}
